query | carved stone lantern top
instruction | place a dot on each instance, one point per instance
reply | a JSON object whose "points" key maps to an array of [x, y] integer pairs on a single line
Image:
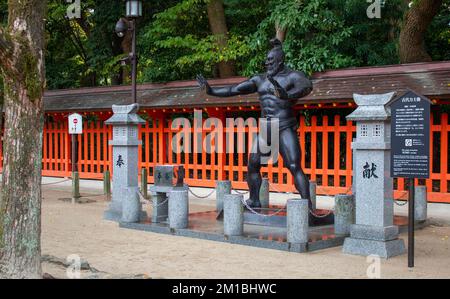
{"points": [[372, 107], [125, 115]]}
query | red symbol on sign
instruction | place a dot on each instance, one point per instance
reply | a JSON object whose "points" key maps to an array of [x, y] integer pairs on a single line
{"points": [[75, 121]]}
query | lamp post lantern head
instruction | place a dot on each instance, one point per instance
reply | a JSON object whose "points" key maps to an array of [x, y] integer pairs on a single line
{"points": [[134, 8], [121, 27]]}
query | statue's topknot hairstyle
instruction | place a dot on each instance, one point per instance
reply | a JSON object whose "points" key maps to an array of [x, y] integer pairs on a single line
{"points": [[277, 46], [276, 43]]}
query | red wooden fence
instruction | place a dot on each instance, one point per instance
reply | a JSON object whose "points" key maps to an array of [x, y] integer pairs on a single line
{"points": [[326, 155]]}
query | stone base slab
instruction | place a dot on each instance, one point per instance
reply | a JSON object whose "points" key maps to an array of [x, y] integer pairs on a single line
{"points": [[382, 249], [117, 217], [368, 232], [239, 240]]}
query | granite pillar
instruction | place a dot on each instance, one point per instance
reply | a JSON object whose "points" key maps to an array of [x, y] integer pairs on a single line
{"points": [[297, 221], [222, 188], [420, 203], [233, 218], [344, 214], [178, 208]]}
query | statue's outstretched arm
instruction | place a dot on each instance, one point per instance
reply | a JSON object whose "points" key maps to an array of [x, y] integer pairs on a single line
{"points": [[246, 87]]}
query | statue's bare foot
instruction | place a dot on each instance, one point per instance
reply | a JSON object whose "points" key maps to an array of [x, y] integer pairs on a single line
{"points": [[253, 203]]}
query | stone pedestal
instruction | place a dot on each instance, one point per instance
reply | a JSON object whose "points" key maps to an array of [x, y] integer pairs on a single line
{"points": [[222, 188], [131, 206], [178, 208], [233, 215], [420, 203], [264, 193], [374, 232], [125, 145], [344, 214], [297, 221], [160, 201]]}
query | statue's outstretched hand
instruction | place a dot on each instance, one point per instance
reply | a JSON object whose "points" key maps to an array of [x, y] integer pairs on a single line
{"points": [[280, 92], [203, 83]]}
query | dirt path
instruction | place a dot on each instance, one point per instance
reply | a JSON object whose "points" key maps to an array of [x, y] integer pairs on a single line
{"points": [[80, 229]]}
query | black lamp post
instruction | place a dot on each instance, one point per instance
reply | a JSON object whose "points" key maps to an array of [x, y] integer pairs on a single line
{"points": [[133, 11]]}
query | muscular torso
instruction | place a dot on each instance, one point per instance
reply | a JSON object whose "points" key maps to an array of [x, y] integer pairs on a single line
{"points": [[272, 106], [291, 85]]}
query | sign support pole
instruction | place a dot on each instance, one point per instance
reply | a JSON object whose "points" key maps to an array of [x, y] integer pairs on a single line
{"points": [[411, 221], [74, 153]]}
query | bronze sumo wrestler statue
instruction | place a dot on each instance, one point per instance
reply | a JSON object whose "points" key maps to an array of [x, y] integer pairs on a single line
{"points": [[278, 90]]}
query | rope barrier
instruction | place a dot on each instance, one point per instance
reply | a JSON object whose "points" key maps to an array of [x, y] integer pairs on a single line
{"points": [[55, 183], [142, 197], [240, 192], [259, 214], [396, 201], [320, 216], [310, 210], [91, 196], [201, 197]]}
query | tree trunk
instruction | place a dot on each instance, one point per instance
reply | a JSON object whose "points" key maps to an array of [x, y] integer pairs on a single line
{"points": [[1, 108], [417, 19], [280, 32], [22, 61], [217, 22]]}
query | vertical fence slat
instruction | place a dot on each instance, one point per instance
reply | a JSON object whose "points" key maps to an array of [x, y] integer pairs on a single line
{"points": [[325, 151], [44, 148], [313, 147], [429, 183], [337, 149], [66, 149], [444, 151], [98, 146], [349, 155]]}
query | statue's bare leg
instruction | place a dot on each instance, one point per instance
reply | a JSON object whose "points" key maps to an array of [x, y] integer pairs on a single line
{"points": [[254, 178], [291, 153]]}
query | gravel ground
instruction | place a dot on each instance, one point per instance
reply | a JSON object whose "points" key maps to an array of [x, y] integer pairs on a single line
{"points": [[114, 252]]}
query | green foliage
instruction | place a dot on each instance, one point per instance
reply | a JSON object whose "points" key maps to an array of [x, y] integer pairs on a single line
{"points": [[373, 41], [86, 51], [178, 44], [3, 11], [80, 52], [314, 36], [64, 62], [438, 36], [175, 40]]}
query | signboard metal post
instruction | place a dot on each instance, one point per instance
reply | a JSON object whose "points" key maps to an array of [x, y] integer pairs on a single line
{"points": [[74, 153], [411, 222], [410, 154]]}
